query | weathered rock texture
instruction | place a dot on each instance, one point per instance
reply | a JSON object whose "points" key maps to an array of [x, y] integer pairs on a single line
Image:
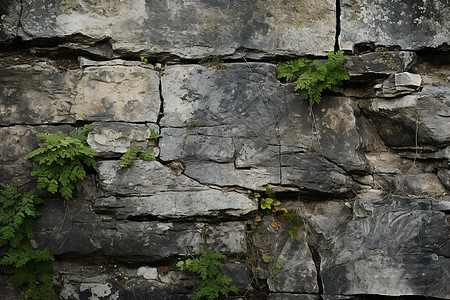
{"points": [[365, 172], [412, 25]]}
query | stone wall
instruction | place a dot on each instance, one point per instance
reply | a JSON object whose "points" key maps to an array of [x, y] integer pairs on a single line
{"points": [[366, 172]]}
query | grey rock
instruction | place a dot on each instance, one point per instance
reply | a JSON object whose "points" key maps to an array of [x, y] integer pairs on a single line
{"points": [[9, 19], [7, 287], [18, 141], [133, 241], [189, 30], [241, 274], [298, 273], [108, 93], [407, 79], [399, 84], [142, 178], [28, 94], [86, 62], [289, 296], [227, 175], [444, 176], [181, 143], [394, 246], [241, 131], [117, 93], [148, 273], [426, 111], [380, 62], [193, 204], [109, 138], [304, 170], [419, 184], [410, 25], [81, 281]]}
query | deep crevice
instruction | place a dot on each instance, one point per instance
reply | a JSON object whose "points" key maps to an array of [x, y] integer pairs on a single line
{"points": [[338, 25], [317, 261]]}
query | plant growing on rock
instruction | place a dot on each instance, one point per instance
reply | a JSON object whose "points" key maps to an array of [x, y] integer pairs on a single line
{"points": [[62, 161], [213, 282], [133, 154], [32, 267], [312, 77], [270, 205]]}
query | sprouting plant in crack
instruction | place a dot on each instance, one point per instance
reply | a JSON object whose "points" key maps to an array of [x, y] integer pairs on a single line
{"points": [[213, 282], [313, 77], [62, 160], [270, 205], [134, 153]]}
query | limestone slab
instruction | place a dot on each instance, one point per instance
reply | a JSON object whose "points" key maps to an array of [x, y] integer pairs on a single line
{"points": [[393, 246], [189, 29], [39, 93], [177, 205], [412, 25]]}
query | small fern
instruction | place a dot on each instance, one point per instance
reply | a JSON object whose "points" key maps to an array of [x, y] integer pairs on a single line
{"points": [[313, 77], [62, 160], [212, 281], [32, 267], [133, 154]]}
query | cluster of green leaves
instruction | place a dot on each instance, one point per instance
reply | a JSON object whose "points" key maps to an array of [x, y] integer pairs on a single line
{"points": [[213, 282], [269, 201], [32, 267], [144, 59], [134, 153], [277, 267], [62, 161], [313, 77], [270, 205], [153, 136]]}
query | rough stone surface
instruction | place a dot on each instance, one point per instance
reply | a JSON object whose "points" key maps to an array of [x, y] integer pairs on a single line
{"points": [[393, 246], [117, 93], [18, 141], [109, 138], [427, 112], [191, 29], [289, 296], [412, 25], [209, 203], [142, 178], [241, 131], [380, 62], [109, 93], [399, 84], [100, 282], [298, 273], [9, 19]]}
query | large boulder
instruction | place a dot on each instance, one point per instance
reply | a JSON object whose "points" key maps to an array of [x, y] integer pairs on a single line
{"points": [[413, 120], [40, 93], [412, 25], [229, 132], [393, 246], [191, 29]]}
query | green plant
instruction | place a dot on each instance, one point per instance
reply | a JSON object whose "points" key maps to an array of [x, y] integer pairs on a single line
{"points": [[267, 203], [277, 268], [62, 161], [192, 125], [270, 205], [144, 59], [32, 267], [133, 154], [153, 135], [212, 281], [313, 77]]}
